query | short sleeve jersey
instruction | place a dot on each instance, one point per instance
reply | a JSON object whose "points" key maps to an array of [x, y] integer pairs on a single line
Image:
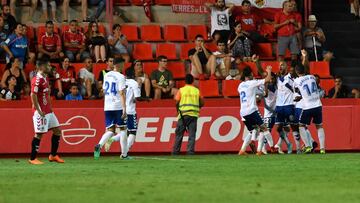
{"points": [[247, 91], [132, 92], [285, 95], [307, 87], [40, 87], [113, 83]]}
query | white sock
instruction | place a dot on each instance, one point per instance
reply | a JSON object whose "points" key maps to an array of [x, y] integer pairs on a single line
{"points": [[279, 142], [123, 143], [254, 135], [130, 140], [309, 135], [105, 137], [260, 142], [297, 139], [286, 139], [269, 139], [304, 136], [246, 142], [321, 135], [116, 138]]}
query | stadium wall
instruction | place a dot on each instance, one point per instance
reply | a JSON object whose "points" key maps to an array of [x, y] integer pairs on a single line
{"points": [[219, 128]]}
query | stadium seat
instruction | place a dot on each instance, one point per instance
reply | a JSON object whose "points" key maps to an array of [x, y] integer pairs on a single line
{"points": [[264, 50], [131, 32], [327, 84], [150, 33], [137, 2], [77, 67], [163, 2], [97, 67], [174, 33], [209, 88], [121, 3], [168, 50], [193, 30], [230, 88], [274, 64], [321, 68], [184, 49], [125, 67], [142, 51], [211, 46], [177, 69], [179, 83], [149, 67], [2, 69], [102, 29], [27, 69]]}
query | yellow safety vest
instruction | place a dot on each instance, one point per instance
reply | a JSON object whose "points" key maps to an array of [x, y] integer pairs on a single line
{"points": [[189, 101]]}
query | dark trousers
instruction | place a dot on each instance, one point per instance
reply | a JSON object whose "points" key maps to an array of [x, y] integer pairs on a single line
{"points": [[189, 123]]}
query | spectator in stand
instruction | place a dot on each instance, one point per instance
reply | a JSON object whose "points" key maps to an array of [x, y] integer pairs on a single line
{"points": [[13, 68], [31, 55], [110, 66], [44, 4], [239, 44], [220, 18], [234, 74], [74, 94], [96, 42], [67, 76], [223, 60], [202, 61], [320, 89], [16, 46], [162, 80], [286, 26], [298, 18], [50, 44], [141, 77], [3, 37], [26, 93], [100, 5], [355, 93], [250, 22], [9, 20], [9, 92], [356, 9], [66, 6], [340, 90], [88, 87], [314, 39], [118, 44], [74, 43]]}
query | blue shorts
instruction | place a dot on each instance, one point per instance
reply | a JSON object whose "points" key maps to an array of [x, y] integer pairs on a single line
{"points": [[131, 122], [269, 122], [114, 118], [253, 120], [314, 114], [284, 114], [298, 112]]}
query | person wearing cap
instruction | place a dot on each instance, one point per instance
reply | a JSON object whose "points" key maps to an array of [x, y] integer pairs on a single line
{"points": [[314, 39], [188, 104]]}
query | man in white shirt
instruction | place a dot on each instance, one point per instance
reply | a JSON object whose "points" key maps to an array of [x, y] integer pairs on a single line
{"points": [[115, 110], [249, 110]]}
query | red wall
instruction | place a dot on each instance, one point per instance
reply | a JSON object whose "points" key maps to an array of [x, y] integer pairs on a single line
{"points": [[219, 127]]}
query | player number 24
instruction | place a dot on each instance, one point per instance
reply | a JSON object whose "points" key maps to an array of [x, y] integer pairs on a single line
{"points": [[111, 88]]}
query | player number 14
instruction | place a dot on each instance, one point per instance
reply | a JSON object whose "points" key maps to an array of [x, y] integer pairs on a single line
{"points": [[313, 88]]}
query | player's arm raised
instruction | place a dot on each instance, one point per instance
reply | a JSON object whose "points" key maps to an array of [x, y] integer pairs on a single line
{"points": [[257, 62], [268, 76]]}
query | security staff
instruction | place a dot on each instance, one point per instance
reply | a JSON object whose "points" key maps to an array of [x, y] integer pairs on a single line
{"points": [[188, 103]]}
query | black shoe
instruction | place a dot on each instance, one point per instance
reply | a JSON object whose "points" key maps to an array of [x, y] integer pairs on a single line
{"points": [[190, 153], [314, 145], [175, 153]]}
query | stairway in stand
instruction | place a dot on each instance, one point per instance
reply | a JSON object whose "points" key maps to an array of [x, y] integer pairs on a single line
{"points": [[342, 33]]}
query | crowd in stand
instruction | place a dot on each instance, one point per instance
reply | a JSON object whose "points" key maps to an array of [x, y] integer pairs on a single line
{"points": [[234, 36]]}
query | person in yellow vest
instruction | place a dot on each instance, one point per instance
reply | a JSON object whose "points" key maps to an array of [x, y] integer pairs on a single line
{"points": [[188, 103]]}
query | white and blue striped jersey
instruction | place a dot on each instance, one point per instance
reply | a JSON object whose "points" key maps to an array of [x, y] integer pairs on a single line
{"points": [[307, 88], [247, 91], [285, 94], [113, 83]]}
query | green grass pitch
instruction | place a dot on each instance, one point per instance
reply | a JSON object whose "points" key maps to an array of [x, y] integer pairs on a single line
{"points": [[199, 178]]}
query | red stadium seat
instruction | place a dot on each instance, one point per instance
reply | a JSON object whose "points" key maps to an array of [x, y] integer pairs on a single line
{"points": [[252, 66], [211, 46], [121, 2], [193, 30], [177, 69], [327, 84], [209, 88], [143, 51], [321, 68], [184, 49], [137, 2], [168, 50], [174, 33], [2, 69], [97, 67], [264, 50], [179, 83], [230, 88], [77, 67], [125, 67], [149, 67], [163, 2], [151, 33], [274, 64], [131, 32]]}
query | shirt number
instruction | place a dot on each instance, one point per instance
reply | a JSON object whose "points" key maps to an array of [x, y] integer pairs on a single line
{"points": [[111, 88], [243, 96], [312, 90]]}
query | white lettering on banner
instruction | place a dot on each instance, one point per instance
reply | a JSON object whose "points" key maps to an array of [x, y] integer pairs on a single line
{"points": [[80, 129], [233, 132], [143, 129], [167, 129]]}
